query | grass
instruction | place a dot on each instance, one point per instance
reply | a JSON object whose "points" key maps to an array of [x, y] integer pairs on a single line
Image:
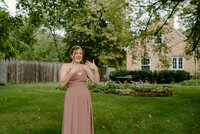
{"points": [[38, 108]]}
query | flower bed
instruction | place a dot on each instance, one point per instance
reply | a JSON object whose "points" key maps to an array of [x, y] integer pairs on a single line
{"points": [[151, 94], [132, 89]]}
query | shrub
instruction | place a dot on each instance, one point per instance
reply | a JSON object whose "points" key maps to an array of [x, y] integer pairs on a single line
{"points": [[135, 88], [96, 90], [165, 76], [165, 89], [170, 76], [181, 75], [138, 75], [161, 77], [113, 91], [90, 85], [99, 88], [128, 89], [191, 82], [126, 85], [143, 89], [125, 91], [144, 75], [119, 73], [154, 77], [112, 85], [113, 75], [135, 76]]}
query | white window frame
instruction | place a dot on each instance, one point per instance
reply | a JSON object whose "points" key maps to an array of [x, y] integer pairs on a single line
{"points": [[155, 37], [146, 65], [177, 63]]}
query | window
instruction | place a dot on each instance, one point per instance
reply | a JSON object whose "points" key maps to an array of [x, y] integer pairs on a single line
{"points": [[158, 38], [177, 63], [145, 64]]}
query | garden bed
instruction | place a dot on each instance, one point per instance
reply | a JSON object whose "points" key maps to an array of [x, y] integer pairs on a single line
{"points": [[144, 94], [132, 89], [141, 93], [150, 94], [190, 82]]}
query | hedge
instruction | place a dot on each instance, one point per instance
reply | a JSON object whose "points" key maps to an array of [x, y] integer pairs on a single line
{"points": [[161, 77]]}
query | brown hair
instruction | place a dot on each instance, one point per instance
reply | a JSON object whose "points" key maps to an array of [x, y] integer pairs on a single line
{"points": [[74, 49]]}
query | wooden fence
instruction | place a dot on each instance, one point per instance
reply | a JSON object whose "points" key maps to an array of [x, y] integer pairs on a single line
{"points": [[16, 71]]}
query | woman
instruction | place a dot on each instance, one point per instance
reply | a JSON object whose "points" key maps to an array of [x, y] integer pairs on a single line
{"points": [[77, 116]]}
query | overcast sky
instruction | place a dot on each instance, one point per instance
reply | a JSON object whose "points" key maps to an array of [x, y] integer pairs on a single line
{"points": [[11, 6]]}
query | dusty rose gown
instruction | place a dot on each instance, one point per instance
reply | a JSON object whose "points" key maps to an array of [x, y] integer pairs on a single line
{"points": [[77, 116]]}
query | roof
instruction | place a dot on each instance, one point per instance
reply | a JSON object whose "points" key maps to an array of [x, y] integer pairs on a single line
{"points": [[177, 31]]}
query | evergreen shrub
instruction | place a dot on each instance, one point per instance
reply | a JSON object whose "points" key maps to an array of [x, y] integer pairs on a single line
{"points": [[160, 77]]}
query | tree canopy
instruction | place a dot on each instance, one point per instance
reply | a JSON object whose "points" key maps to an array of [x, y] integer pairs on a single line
{"points": [[8, 29], [102, 27]]}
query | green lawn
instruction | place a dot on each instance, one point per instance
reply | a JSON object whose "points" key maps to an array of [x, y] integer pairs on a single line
{"points": [[38, 108]]}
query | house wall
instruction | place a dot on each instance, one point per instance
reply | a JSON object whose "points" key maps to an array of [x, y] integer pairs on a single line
{"points": [[173, 39]]}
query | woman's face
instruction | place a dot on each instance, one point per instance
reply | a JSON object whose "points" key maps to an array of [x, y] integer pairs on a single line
{"points": [[77, 56]]}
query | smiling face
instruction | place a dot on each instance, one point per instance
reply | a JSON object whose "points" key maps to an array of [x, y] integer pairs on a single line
{"points": [[77, 56]]}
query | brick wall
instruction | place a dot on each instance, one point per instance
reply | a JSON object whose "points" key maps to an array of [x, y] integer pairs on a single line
{"points": [[173, 39]]}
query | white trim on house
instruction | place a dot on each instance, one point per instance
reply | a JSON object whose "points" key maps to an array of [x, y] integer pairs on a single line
{"points": [[177, 31], [146, 65], [177, 63]]}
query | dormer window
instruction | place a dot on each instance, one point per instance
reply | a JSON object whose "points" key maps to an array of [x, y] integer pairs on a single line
{"points": [[157, 38]]}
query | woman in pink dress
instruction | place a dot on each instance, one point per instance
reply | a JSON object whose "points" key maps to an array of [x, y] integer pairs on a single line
{"points": [[77, 116]]}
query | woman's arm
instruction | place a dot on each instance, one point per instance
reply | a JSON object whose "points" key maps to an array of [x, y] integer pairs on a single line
{"points": [[65, 74], [95, 78]]}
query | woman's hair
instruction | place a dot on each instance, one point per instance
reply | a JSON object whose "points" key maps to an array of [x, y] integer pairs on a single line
{"points": [[73, 51]]}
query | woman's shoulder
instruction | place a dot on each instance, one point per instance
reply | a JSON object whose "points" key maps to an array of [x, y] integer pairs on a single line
{"points": [[65, 65]]}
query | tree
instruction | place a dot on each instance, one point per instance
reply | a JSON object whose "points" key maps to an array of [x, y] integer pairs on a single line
{"points": [[43, 47], [187, 10], [45, 50], [46, 14], [102, 27], [9, 44]]}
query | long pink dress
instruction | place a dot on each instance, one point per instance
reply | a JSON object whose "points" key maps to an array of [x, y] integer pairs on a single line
{"points": [[77, 116]]}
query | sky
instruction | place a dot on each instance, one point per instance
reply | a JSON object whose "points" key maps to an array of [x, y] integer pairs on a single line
{"points": [[12, 8]]}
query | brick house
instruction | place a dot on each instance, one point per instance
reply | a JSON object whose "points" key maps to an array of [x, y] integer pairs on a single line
{"points": [[173, 56]]}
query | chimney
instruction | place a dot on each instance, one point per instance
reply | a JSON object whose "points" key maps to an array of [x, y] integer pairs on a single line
{"points": [[171, 21]]}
